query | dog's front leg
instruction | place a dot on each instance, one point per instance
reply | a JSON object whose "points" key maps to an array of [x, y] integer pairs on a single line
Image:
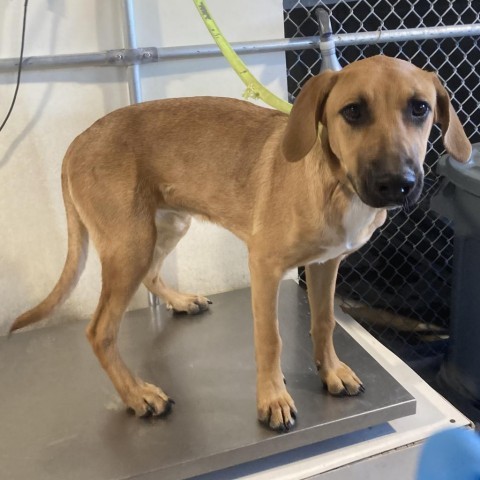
{"points": [[275, 406], [337, 377]]}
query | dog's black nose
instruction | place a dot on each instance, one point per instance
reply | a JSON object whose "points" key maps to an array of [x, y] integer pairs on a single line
{"points": [[394, 189]]}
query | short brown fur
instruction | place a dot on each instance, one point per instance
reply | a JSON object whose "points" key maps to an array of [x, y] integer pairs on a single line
{"points": [[289, 191]]}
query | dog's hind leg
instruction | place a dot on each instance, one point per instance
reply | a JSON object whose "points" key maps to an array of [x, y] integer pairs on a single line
{"points": [[126, 250], [171, 227]]}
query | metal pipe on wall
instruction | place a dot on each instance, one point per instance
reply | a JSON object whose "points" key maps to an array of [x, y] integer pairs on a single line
{"points": [[138, 56], [133, 76], [130, 43]]}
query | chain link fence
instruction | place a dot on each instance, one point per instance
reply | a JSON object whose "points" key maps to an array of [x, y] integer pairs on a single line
{"points": [[399, 284]]}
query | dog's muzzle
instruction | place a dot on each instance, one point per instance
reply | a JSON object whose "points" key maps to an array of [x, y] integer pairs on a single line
{"points": [[384, 190]]}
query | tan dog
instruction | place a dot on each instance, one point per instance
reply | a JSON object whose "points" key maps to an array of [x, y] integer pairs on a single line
{"points": [[295, 194]]}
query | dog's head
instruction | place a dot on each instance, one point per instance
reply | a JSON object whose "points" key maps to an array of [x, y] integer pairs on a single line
{"points": [[376, 115]]}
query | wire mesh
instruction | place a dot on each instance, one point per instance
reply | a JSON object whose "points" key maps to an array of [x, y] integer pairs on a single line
{"points": [[399, 284]]}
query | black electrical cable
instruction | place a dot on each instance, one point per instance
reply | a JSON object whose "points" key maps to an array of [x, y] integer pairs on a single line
{"points": [[19, 74]]}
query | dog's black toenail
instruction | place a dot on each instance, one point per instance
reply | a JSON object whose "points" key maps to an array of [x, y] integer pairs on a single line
{"points": [[209, 301], [280, 428], [362, 388], [150, 409], [168, 409]]}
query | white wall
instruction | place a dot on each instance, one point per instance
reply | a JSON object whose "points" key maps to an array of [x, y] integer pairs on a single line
{"points": [[54, 106]]}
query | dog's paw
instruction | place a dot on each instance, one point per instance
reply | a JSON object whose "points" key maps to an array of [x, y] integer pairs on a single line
{"points": [[341, 380], [276, 409], [148, 400], [190, 304]]}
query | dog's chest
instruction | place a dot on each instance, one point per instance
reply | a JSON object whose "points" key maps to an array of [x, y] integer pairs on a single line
{"points": [[358, 223]]}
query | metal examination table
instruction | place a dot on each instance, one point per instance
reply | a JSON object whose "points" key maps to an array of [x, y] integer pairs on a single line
{"points": [[60, 418]]}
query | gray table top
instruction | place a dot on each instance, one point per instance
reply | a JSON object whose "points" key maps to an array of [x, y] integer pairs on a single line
{"points": [[60, 417]]}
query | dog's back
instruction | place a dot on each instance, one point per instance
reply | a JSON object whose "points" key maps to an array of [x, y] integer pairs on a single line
{"points": [[182, 150]]}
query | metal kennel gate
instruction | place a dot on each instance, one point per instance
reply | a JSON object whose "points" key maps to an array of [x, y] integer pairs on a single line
{"points": [[399, 284]]}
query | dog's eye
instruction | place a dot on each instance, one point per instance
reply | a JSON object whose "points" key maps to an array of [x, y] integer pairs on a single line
{"points": [[352, 113], [419, 108]]}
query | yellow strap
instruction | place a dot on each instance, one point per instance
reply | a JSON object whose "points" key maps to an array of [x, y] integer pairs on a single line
{"points": [[254, 88]]}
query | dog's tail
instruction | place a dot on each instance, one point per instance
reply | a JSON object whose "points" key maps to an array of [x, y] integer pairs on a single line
{"points": [[74, 264]]}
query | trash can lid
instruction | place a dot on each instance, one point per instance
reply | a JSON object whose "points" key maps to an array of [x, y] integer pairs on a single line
{"points": [[463, 175]]}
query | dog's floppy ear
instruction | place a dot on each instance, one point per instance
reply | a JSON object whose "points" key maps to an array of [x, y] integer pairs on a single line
{"points": [[454, 139], [302, 127]]}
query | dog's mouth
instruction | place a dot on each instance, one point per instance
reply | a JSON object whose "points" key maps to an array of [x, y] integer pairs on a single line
{"points": [[389, 191]]}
